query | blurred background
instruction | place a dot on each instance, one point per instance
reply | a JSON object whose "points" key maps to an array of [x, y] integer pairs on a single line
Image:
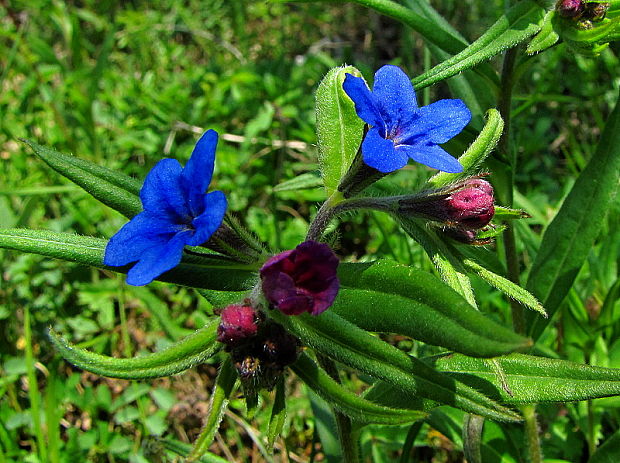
{"points": [[127, 83]]}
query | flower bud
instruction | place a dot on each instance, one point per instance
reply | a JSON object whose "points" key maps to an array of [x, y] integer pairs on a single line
{"points": [[467, 204], [572, 9], [301, 280], [238, 323]]}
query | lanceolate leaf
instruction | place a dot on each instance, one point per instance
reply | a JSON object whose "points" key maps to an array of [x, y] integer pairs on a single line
{"points": [[338, 129], [113, 189], [347, 402], [346, 343], [190, 351], [477, 152], [196, 272], [520, 22], [532, 379], [224, 386], [278, 414], [569, 237], [420, 306]]}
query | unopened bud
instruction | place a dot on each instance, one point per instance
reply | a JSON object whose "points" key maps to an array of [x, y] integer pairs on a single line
{"points": [[238, 323], [467, 204], [572, 9]]}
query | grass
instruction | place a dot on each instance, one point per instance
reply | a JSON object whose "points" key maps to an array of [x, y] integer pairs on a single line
{"points": [[123, 83]]}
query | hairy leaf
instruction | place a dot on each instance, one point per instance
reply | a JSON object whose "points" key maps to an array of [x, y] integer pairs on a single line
{"points": [[347, 402], [338, 128]]}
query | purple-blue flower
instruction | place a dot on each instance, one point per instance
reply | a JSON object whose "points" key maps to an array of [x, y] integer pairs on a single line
{"points": [[177, 212], [399, 129]]}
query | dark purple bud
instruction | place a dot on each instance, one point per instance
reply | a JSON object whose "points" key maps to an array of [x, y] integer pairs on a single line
{"points": [[301, 280], [572, 9], [468, 205], [238, 323]]}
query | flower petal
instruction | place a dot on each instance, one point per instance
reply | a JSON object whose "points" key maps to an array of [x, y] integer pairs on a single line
{"points": [[198, 171], [432, 156], [162, 193], [438, 122], [379, 153], [158, 259], [395, 95], [211, 219], [143, 232], [365, 103]]}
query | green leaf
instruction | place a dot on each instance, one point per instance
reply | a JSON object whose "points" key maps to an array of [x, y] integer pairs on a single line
{"points": [[443, 257], [277, 415], [301, 182], [608, 452], [546, 37], [224, 386], [113, 189], [520, 22], [344, 342], [506, 286], [190, 351], [338, 128], [477, 152], [346, 401], [530, 379], [570, 236], [386, 297], [183, 449], [196, 272]]}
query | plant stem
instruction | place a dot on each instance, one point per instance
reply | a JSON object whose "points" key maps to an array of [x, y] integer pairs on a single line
{"points": [[347, 435], [510, 248], [532, 438]]}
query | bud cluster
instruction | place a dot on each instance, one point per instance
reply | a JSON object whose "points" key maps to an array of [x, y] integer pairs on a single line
{"points": [[260, 349]]}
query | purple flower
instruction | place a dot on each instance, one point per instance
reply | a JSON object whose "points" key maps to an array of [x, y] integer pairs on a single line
{"points": [[301, 280], [399, 129], [177, 212]]}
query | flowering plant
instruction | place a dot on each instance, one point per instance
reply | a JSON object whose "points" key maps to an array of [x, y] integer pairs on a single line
{"points": [[319, 312]]}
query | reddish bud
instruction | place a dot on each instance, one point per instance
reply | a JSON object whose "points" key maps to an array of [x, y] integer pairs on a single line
{"points": [[572, 9], [301, 280], [468, 205], [238, 323]]}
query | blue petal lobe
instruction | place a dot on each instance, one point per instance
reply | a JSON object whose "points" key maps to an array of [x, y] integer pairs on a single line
{"points": [[379, 153], [438, 122], [158, 259], [162, 193], [210, 220], [198, 171], [432, 156], [365, 103], [395, 95], [143, 232]]}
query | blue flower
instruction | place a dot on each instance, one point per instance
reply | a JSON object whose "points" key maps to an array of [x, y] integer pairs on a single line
{"points": [[177, 212], [399, 128]]}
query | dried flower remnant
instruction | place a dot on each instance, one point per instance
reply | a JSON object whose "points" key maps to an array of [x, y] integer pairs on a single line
{"points": [[399, 129], [301, 280], [177, 212]]}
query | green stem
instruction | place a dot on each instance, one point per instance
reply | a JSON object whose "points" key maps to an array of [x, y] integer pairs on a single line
{"points": [[33, 388], [532, 439], [347, 435]]}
